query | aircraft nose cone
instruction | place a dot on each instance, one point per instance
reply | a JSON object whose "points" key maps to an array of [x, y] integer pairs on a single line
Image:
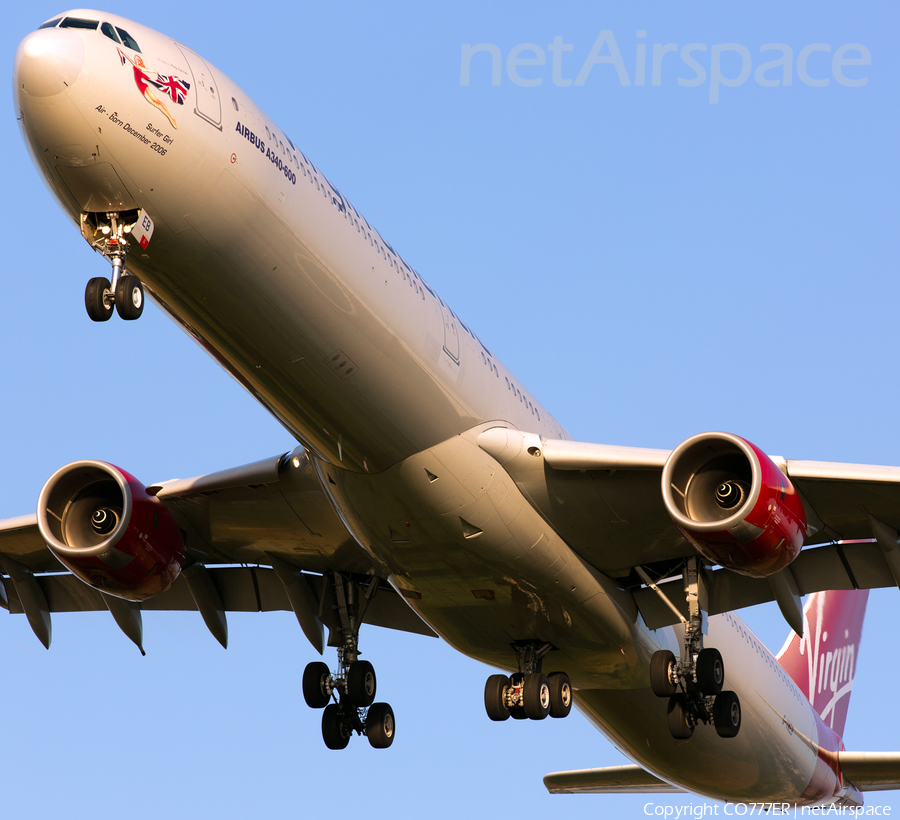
{"points": [[48, 61]]}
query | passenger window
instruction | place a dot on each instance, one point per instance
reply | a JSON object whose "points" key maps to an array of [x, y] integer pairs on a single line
{"points": [[50, 23], [110, 32], [77, 22], [128, 40], [234, 102]]}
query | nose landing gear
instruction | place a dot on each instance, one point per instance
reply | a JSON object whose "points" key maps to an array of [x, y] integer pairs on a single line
{"points": [[347, 697], [109, 235]]}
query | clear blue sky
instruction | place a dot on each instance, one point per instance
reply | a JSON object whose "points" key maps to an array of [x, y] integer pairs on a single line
{"points": [[650, 264]]}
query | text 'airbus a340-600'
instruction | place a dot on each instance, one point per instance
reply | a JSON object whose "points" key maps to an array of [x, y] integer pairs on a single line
{"points": [[464, 511]]}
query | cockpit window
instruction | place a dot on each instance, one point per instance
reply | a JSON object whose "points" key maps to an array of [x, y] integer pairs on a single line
{"points": [[128, 40], [110, 32], [50, 23], [78, 22]]}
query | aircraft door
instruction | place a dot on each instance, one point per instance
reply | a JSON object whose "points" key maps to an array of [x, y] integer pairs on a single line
{"points": [[451, 335], [209, 106]]}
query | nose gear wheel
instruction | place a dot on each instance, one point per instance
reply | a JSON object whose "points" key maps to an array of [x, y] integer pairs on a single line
{"points": [[109, 235]]}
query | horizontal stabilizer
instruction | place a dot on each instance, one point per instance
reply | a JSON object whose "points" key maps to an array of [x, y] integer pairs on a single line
{"points": [[609, 780], [869, 771]]}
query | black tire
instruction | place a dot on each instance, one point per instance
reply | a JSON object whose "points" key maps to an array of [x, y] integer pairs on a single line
{"points": [[560, 695], [315, 685], [97, 307], [493, 697], [710, 671], [129, 297], [380, 726], [361, 684], [537, 696], [678, 718], [727, 714], [333, 728], [660, 682]]}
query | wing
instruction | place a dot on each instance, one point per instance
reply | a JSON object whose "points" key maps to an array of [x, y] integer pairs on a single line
{"points": [[607, 503], [260, 537]]}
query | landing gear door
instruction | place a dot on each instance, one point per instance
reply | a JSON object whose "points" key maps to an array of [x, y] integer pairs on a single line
{"points": [[208, 106]]}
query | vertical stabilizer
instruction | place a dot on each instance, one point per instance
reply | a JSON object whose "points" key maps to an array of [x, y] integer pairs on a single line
{"points": [[822, 663]]}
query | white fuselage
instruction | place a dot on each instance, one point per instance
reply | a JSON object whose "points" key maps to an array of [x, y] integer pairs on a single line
{"points": [[275, 273]]}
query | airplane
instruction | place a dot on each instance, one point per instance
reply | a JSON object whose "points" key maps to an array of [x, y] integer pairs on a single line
{"points": [[525, 440]]}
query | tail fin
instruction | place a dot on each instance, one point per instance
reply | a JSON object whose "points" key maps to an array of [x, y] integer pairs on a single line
{"points": [[822, 663]]}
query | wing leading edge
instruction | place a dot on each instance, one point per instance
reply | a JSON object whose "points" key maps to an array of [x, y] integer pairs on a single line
{"points": [[271, 515]]}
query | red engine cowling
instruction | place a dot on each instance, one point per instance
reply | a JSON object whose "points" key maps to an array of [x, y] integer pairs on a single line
{"points": [[102, 525], [733, 504]]}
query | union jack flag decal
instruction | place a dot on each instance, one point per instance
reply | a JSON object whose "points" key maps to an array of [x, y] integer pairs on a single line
{"points": [[122, 57], [176, 88]]}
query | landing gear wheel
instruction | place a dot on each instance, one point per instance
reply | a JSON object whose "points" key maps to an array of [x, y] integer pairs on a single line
{"points": [[493, 697], [660, 681], [129, 297], [98, 308], [727, 714], [536, 696], [333, 728], [380, 725], [361, 684], [560, 695], [679, 720], [710, 671], [315, 685], [517, 712]]}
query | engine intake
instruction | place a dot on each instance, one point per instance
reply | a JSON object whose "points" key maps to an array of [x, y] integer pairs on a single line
{"points": [[733, 504], [102, 525]]}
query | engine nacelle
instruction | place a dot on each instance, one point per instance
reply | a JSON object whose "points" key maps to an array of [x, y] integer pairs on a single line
{"points": [[102, 525], [733, 504]]}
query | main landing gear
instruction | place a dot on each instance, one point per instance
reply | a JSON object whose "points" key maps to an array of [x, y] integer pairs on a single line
{"points": [[700, 674], [528, 693], [125, 291], [347, 697]]}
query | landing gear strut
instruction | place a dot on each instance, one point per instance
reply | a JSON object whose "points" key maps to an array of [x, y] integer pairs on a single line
{"points": [[348, 695], [111, 234], [528, 693], [700, 673]]}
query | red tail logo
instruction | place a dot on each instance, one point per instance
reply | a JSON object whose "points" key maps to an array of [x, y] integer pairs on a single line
{"points": [[822, 663]]}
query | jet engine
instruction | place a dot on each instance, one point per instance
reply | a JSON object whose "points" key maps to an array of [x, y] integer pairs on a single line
{"points": [[733, 504], [101, 524]]}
